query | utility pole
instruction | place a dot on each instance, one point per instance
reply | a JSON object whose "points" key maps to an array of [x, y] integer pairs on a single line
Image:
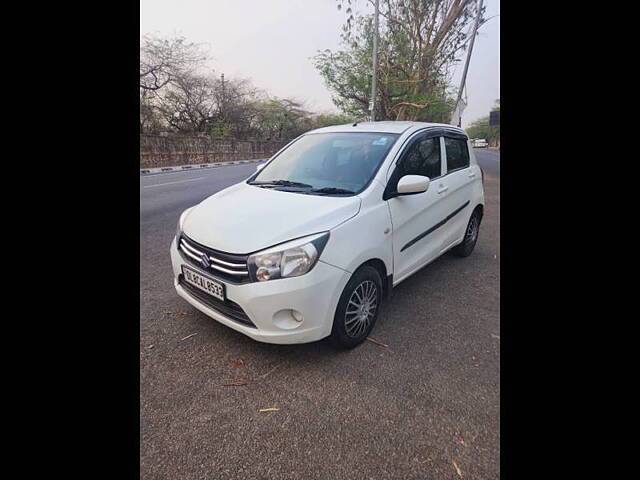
{"points": [[466, 64], [223, 96], [374, 78]]}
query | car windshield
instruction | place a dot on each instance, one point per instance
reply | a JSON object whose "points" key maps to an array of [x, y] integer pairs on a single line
{"points": [[327, 163]]}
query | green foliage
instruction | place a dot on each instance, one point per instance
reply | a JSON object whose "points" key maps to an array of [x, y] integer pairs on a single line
{"points": [[418, 42], [284, 119], [276, 118], [481, 129], [347, 74], [220, 129], [329, 119]]}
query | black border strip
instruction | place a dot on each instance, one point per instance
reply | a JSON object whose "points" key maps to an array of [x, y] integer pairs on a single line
{"points": [[435, 227]]}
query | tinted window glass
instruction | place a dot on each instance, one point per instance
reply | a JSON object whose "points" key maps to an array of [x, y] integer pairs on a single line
{"points": [[325, 160], [457, 153], [422, 158]]}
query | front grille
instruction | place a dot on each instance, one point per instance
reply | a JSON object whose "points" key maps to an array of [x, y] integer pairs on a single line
{"points": [[227, 266], [227, 308]]}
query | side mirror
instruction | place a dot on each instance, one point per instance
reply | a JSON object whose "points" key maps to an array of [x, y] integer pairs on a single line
{"points": [[260, 167], [411, 184]]}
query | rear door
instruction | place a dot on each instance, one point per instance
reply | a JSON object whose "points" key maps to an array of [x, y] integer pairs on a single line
{"points": [[416, 236], [459, 176]]}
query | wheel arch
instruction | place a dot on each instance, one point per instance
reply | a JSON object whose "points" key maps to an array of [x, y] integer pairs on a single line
{"points": [[385, 276]]}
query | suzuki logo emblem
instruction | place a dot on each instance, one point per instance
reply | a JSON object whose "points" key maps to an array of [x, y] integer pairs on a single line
{"points": [[204, 261]]}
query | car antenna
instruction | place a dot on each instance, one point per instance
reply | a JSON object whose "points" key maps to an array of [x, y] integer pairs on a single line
{"points": [[357, 122]]}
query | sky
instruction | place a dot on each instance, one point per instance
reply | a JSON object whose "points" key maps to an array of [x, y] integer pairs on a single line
{"points": [[271, 42]]}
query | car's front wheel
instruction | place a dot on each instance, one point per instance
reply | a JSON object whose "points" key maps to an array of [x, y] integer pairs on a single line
{"points": [[357, 308]]}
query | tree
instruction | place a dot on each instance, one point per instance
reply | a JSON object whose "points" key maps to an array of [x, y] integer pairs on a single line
{"points": [[150, 119], [179, 94], [481, 128], [163, 60], [206, 104], [187, 105], [234, 106], [164, 63], [419, 41], [495, 130], [278, 119], [329, 119]]}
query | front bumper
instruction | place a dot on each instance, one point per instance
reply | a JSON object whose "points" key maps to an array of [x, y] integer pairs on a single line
{"points": [[267, 304]]}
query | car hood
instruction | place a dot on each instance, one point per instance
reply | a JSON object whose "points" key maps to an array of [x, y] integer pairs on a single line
{"points": [[244, 218]]}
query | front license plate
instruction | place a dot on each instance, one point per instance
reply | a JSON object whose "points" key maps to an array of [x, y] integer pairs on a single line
{"points": [[204, 283]]}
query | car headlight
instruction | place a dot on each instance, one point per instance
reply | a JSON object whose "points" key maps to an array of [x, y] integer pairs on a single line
{"points": [[290, 259], [181, 221]]}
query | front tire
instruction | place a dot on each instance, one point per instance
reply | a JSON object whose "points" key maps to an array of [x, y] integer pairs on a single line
{"points": [[357, 309], [465, 248]]}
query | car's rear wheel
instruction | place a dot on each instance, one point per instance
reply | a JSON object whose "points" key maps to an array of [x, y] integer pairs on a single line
{"points": [[357, 308], [467, 245]]}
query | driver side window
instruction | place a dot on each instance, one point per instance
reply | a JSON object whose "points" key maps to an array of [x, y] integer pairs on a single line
{"points": [[422, 158]]}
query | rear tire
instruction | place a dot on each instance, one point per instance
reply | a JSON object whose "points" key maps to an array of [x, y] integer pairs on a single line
{"points": [[357, 309], [465, 248]]}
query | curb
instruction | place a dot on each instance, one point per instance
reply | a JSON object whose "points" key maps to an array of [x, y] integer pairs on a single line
{"points": [[149, 171]]}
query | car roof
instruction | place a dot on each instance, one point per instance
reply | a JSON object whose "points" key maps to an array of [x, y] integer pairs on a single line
{"points": [[383, 127]]}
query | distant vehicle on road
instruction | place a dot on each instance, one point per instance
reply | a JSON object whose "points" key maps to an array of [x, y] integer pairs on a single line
{"points": [[310, 244], [480, 143]]}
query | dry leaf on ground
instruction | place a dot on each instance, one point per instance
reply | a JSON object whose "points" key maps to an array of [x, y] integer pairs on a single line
{"points": [[373, 340], [457, 469], [237, 362]]}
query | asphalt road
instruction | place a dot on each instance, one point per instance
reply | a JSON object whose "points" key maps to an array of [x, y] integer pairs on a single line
{"points": [[422, 408], [489, 160]]}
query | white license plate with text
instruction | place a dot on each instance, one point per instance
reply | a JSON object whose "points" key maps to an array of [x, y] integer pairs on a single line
{"points": [[204, 283]]}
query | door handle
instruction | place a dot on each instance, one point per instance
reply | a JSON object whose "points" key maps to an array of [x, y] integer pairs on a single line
{"points": [[442, 189], [472, 174]]}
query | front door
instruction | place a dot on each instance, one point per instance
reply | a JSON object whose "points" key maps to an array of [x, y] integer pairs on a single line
{"points": [[417, 238]]}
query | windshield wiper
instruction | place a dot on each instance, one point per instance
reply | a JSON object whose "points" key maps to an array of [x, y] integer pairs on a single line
{"points": [[281, 183], [310, 189], [330, 190]]}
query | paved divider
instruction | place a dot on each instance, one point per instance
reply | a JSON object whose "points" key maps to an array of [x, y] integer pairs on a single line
{"points": [[149, 171]]}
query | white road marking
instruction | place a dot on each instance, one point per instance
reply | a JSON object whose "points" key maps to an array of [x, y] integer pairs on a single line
{"points": [[171, 183], [198, 169]]}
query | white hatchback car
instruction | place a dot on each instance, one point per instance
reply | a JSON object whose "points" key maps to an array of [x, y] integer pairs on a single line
{"points": [[311, 243]]}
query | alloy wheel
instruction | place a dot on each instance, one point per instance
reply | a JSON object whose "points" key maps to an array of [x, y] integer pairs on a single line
{"points": [[361, 308], [472, 230]]}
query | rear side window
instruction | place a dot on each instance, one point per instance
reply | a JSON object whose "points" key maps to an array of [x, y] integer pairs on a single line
{"points": [[457, 153], [422, 158]]}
